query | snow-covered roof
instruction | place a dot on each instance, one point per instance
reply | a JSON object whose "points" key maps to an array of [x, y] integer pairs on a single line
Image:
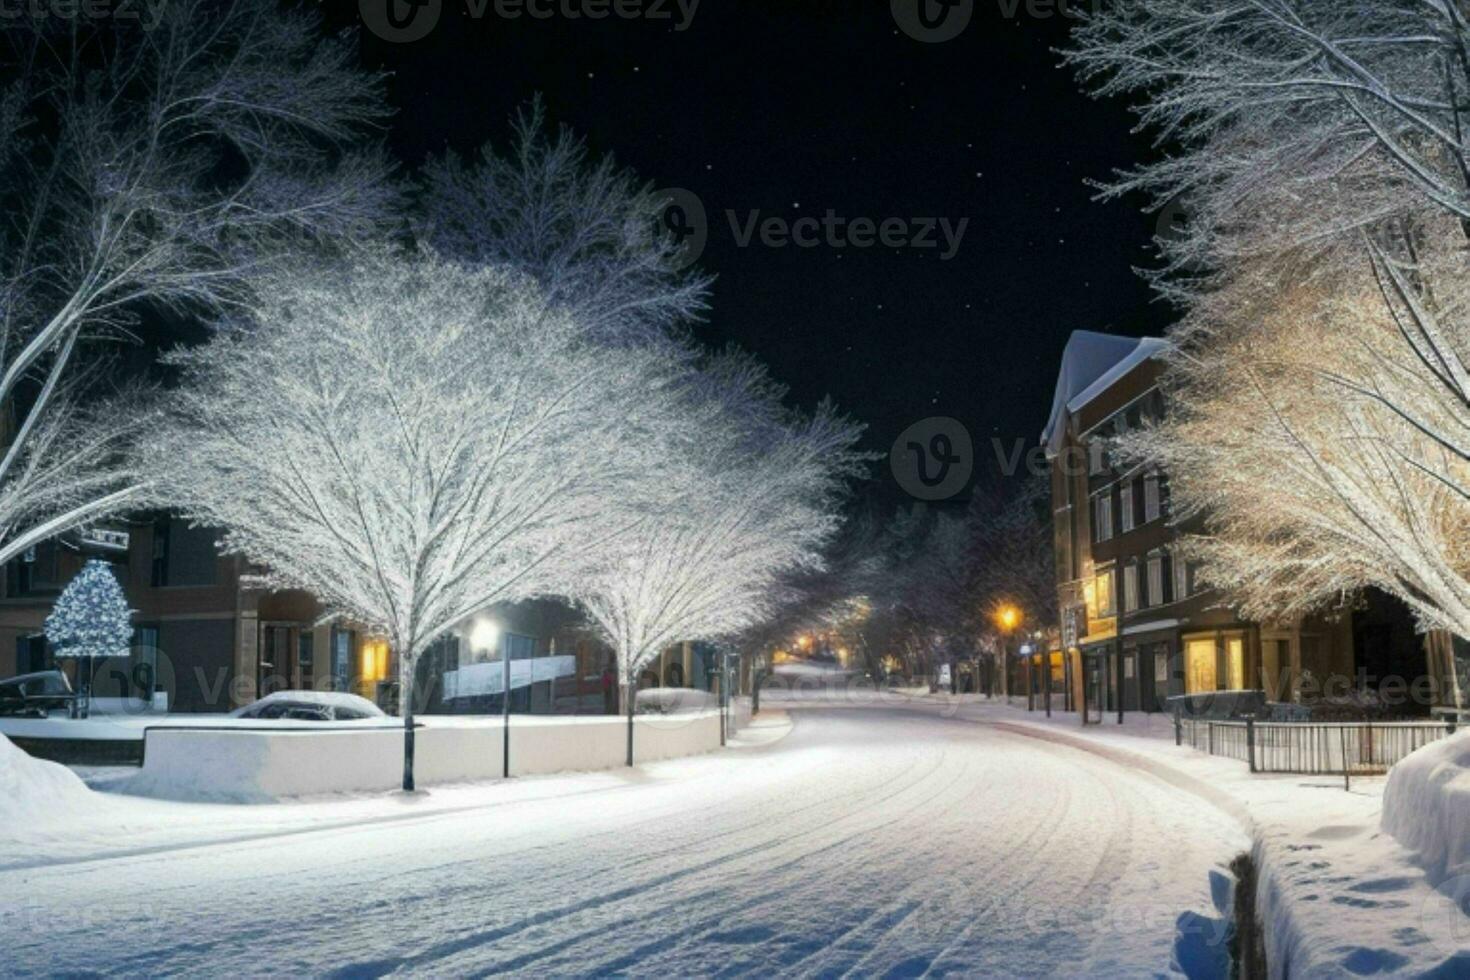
{"points": [[1091, 363]]}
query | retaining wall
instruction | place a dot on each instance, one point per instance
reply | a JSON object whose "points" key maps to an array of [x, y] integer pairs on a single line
{"points": [[238, 764]]}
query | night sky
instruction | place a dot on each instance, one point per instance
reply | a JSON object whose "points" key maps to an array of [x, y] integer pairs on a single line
{"points": [[795, 108]]}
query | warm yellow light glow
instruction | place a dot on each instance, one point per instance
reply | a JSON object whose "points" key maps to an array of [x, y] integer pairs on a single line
{"points": [[804, 642], [1009, 617], [374, 657]]}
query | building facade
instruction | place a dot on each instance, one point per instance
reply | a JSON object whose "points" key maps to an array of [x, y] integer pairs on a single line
{"points": [[209, 638], [1136, 625]]}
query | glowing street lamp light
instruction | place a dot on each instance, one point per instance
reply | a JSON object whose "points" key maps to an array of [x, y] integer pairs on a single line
{"points": [[484, 636], [1008, 617]]}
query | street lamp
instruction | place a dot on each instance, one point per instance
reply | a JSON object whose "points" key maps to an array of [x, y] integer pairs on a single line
{"points": [[1007, 617], [484, 637]]}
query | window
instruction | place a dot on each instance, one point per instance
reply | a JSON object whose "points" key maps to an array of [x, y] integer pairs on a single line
{"points": [[159, 574], [1102, 596], [1102, 520], [1151, 500], [1130, 588], [1200, 669], [1235, 661], [1181, 576], [1161, 668], [341, 658], [1125, 505], [375, 661], [1155, 580]]}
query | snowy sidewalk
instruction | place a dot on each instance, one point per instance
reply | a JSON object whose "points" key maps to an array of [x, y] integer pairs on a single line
{"points": [[1340, 897]]}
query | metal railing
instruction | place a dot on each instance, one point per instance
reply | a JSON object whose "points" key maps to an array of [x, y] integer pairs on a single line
{"points": [[1347, 749]]}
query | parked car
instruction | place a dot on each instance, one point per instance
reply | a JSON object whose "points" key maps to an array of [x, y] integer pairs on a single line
{"points": [[36, 694], [310, 706]]}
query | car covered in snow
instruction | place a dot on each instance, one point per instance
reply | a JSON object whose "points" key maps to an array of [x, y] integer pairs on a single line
{"points": [[310, 706], [36, 694]]}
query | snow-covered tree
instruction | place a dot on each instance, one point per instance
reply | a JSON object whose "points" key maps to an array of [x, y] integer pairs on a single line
{"points": [[409, 440], [1362, 106], [742, 491], [91, 619], [1320, 386], [1320, 427], [147, 163], [589, 232]]}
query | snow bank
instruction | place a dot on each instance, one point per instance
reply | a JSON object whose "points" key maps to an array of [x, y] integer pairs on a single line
{"points": [[675, 700], [1426, 802], [353, 703], [34, 792]]}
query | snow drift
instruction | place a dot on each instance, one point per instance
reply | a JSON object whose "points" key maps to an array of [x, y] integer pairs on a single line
{"points": [[1425, 803], [34, 792]]}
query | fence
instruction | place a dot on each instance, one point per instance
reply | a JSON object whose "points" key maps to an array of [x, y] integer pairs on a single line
{"points": [[1344, 749]]}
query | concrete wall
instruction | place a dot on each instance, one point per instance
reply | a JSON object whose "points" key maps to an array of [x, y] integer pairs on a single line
{"points": [[255, 765]]}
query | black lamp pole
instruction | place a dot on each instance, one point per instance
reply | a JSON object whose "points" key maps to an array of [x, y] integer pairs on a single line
{"points": [[505, 708]]}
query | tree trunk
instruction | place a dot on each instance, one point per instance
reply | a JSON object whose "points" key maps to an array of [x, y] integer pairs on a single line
{"points": [[405, 708]]}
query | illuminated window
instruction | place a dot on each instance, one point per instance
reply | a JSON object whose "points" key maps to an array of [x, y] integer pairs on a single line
{"points": [[1101, 603], [1235, 661], [1200, 670], [374, 661]]}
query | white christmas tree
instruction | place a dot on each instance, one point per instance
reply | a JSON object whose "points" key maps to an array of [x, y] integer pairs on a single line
{"points": [[91, 619]]}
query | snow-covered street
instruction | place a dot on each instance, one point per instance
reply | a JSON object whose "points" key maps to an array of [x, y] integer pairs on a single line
{"points": [[875, 839]]}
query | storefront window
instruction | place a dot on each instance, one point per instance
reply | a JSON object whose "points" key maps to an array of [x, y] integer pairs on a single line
{"points": [[1235, 661], [1200, 669]]}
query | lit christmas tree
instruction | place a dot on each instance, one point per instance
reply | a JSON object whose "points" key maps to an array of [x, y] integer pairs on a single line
{"points": [[91, 618]]}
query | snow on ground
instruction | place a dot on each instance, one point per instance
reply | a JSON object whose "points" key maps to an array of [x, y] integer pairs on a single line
{"points": [[1342, 896], [33, 791], [878, 840]]}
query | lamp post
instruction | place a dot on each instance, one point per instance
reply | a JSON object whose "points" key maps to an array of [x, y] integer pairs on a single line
{"points": [[1007, 617], [1045, 670], [484, 638], [1027, 651]]}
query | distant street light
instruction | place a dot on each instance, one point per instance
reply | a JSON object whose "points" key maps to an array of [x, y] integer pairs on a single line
{"points": [[1007, 617]]}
